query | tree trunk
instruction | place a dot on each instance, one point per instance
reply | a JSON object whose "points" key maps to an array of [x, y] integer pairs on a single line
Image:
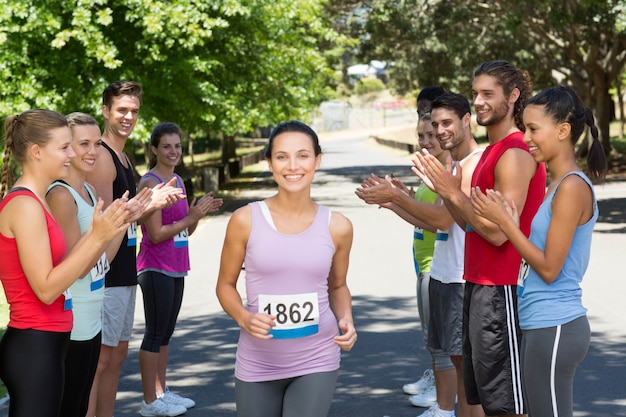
{"points": [[620, 104]]}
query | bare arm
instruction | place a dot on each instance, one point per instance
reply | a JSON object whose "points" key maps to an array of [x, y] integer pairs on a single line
{"points": [[434, 215], [46, 280], [159, 232], [233, 254], [102, 177], [338, 293], [572, 206], [513, 173]]}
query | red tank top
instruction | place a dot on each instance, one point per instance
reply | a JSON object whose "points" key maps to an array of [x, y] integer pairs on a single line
{"points": [[485, 263], [26, 311]]}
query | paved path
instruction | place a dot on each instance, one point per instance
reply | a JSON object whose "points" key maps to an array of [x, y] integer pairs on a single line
{"points": [[389, 352]]}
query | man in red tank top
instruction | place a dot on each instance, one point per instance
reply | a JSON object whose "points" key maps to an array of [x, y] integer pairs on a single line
{"points": [[491, 334]]}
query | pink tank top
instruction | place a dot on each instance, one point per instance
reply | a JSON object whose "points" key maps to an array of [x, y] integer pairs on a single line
{"points": [[288, 274], [172, 255]]}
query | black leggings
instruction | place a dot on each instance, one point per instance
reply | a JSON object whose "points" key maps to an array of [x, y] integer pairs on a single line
{"points": [[302, 396], [80, 369], [162, 298], [32, 366]]}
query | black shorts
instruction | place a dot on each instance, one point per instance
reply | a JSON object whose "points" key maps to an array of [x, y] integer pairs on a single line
{"points": [[491, 349]]}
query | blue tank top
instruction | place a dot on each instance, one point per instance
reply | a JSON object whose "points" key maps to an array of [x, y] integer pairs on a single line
{"points": [[87, 293], [544, 305]]}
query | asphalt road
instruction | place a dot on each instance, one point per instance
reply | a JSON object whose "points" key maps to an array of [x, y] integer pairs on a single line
{"points": [[389, 351]]}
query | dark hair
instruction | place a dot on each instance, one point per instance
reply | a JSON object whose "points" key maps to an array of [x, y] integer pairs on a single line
{"points": [[120, 88], [453, 101], [81, 119], [565, 106], [158, 132], [25, 129], [293, 126], [508, 77], [430, 93], [426, 97]]}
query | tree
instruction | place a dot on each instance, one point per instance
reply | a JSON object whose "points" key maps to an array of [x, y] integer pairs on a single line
{"points": [[217, 67], [582, 42]]}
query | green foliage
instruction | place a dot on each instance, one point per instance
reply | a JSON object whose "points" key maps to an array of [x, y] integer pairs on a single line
{"points": [[582, 43], [223, 66], [368, 85]]}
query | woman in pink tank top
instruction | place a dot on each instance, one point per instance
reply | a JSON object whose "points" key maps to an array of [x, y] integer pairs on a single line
{"points": [[162, 264], [298, 310]]}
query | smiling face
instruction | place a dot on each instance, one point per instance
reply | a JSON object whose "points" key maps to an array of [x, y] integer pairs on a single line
{"points": [[448, 128], [490, 103], [293, 161], [426, 138], [86, 143], [57, 153], [122, 117], [543, 135], [169, 150]]}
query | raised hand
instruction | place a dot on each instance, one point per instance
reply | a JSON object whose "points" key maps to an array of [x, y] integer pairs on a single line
{"points": [[493, 206], [109, 223]]}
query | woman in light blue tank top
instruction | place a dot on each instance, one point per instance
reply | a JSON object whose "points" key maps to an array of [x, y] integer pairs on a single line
{"points": [[298, 310], [72, 202], [555, 330]]}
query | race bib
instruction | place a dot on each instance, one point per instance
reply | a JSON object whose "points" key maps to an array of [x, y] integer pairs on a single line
{"points": [[98, 272], [67, 304], [523, 274], [131, 234], [418, 233], [297, 315], [181, 239]]}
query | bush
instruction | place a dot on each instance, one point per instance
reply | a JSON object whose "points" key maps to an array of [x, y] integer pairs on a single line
{"points": [[368, 85]]}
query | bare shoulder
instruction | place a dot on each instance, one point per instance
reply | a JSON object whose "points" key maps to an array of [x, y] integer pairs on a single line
{"points": [[241, 220], [575, 186], [59, 196], [340, 225], [147, 181], [19, 208]]}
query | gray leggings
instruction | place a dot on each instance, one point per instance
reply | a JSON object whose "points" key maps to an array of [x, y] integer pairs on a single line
{"points": [[549, 360], [302, 396]]}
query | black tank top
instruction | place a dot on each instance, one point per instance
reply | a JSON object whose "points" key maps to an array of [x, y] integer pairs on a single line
{"points": [[123, 272]]}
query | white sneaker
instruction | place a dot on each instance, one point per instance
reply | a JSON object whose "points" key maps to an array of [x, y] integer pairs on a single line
{"points": [[433, 411], [424, 399], [424, 384], [159, 408], [171, 398]]}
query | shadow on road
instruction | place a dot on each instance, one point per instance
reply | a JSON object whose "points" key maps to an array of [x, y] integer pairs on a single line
{"points": [[388, 354]]}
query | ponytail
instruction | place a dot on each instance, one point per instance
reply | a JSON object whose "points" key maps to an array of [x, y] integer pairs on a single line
{"points": [[596, 159], [10, 122]]}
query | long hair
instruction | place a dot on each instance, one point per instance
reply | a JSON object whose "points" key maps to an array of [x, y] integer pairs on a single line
{"points": [[508, 77], [565, 106], [21, 131]]}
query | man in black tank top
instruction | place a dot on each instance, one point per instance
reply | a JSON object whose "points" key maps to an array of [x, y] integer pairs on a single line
{"points": [[112, 177]]}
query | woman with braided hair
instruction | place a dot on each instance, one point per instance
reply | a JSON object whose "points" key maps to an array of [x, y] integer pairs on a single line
{"points": [[555, 330]]}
